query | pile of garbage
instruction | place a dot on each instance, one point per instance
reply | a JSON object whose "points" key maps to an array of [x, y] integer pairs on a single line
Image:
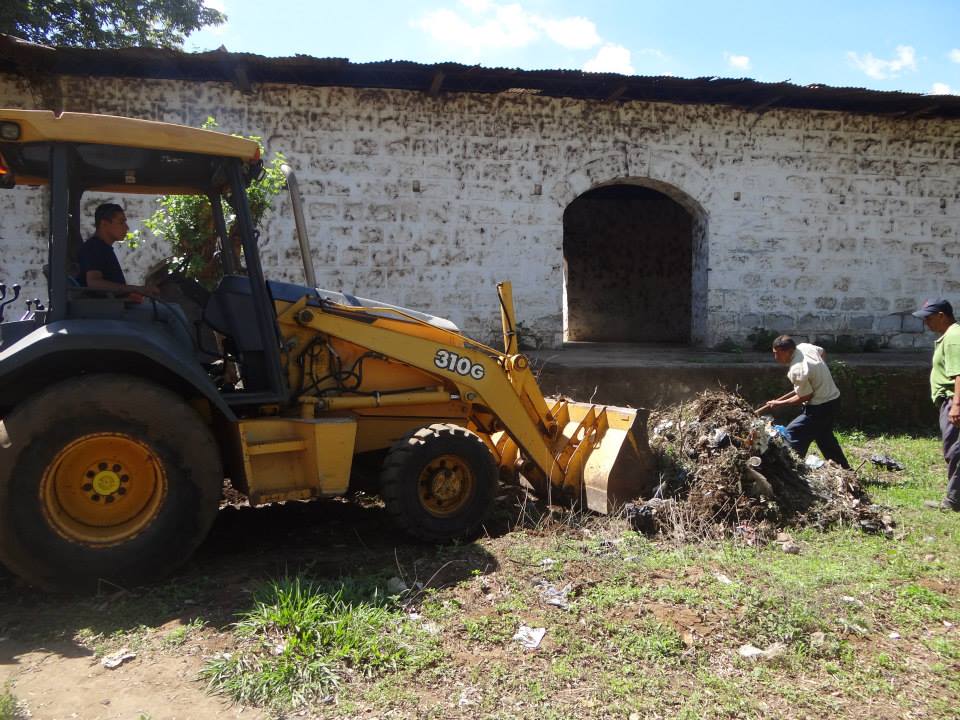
{"points": [[724, 471]]}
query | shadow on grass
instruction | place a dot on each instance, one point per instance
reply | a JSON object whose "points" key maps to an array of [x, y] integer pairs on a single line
{"points": [[872, 431], [333, 541]]}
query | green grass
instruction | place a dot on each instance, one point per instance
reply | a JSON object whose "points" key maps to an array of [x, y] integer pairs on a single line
{"points": [[869, 623], [625, 646], [650, 641], [492, 629], [104, 643], [179, 636], [10, 708], [611, 594], [301, 638]]}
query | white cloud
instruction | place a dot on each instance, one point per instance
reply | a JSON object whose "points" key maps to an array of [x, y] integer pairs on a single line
{"points": [[575, 33], [943, 89], [955, 55], [878, 69], [216, 5], [610, 58], [480, 25], [740, 62], [509, 28]]}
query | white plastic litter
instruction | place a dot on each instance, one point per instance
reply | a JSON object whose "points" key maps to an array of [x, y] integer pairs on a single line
{"points": [[551, 595], [431, 628], [469, 696], [530, 637], [117, 659], [719, 437], [759, 436], [754, 653], [662, 427]]}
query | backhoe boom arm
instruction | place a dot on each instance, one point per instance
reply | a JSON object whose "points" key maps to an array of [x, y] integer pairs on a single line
{"points": [[556, 441]]}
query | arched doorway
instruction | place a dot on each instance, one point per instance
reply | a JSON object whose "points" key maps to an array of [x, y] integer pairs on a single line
{"points": [[634, 266]]}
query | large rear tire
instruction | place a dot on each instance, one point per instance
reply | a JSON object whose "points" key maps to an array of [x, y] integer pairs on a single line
{"points": [[438, 483], [107, 478]]}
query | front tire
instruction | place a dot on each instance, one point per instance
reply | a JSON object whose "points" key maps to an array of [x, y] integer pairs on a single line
{"points": [[107, 478], [438, 483]]}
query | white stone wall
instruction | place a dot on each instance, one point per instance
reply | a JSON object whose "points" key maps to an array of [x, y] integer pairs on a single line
{"points": [[820, 223]]}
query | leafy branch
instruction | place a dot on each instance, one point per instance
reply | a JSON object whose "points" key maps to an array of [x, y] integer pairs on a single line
{"points": [[186, 222]]}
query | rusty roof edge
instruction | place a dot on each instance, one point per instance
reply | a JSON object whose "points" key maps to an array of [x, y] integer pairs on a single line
{"points": [[24, 58]]}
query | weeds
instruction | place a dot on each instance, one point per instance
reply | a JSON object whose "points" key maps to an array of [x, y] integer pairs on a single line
{"points": [[654, 625], [301, 639], [176, 638], [652, 641], [10, 707]]}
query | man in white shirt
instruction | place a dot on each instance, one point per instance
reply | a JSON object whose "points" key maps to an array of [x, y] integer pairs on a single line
{"points": [[815, 390]]}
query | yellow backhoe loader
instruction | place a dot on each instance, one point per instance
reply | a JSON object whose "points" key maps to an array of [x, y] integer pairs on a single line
{"points": [[120, 420]]}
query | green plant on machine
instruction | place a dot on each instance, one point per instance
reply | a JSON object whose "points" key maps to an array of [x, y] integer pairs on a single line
{"points": [[186, 221]]}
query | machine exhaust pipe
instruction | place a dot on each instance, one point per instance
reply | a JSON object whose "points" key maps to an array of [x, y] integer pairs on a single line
{"points": [[294, 189]]}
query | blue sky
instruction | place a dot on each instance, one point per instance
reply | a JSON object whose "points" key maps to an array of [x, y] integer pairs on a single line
{"points": [[908, 45]]}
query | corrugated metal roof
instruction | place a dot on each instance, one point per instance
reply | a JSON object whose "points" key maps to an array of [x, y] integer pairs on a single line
{"points": [[243, 69]]}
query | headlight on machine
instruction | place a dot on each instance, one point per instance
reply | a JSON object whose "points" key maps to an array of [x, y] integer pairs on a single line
{"points": [[9, 131]]}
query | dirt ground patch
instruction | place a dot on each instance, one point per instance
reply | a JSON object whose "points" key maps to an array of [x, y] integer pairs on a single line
{"points": [[51, 647], [56, 682]]}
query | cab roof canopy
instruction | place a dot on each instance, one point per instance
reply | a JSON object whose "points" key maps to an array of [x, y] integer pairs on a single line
{"points": [[117, 154]]}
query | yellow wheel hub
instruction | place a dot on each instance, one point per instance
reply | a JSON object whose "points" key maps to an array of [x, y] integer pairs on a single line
{"points": [[445, 485], [103, 489], [106, 482]]}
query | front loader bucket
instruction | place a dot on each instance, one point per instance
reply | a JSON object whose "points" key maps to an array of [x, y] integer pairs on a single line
{"points": [[607, 457]]}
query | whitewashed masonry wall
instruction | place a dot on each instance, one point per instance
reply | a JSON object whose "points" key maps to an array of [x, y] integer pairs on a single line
{"points": [[818, 223]]}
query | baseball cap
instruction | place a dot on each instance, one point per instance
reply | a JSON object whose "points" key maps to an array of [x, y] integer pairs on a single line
{"points": [[932, 307]]}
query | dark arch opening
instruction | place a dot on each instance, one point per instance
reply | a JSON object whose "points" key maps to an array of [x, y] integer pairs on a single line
{"points": [[629, 262]]}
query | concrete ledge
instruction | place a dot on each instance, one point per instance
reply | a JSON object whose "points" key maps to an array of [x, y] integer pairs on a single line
{"points": [[886, 390]]}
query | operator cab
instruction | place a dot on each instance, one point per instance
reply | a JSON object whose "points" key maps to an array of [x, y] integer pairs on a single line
{"points": [[63, 159], [226, 324]]}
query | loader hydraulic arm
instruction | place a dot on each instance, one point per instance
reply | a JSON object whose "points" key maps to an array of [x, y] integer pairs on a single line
{"points": [[552, 442]]}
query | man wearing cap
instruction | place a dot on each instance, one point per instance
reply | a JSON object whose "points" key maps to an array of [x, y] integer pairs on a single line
{"points": [[945, 389], [815, 390]]}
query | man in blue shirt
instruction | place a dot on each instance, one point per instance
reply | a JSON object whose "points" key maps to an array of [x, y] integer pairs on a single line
{"points": [[99, 267]]}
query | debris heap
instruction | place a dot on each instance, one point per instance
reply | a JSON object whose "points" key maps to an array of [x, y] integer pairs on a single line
{"points": [[724, 471]]}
